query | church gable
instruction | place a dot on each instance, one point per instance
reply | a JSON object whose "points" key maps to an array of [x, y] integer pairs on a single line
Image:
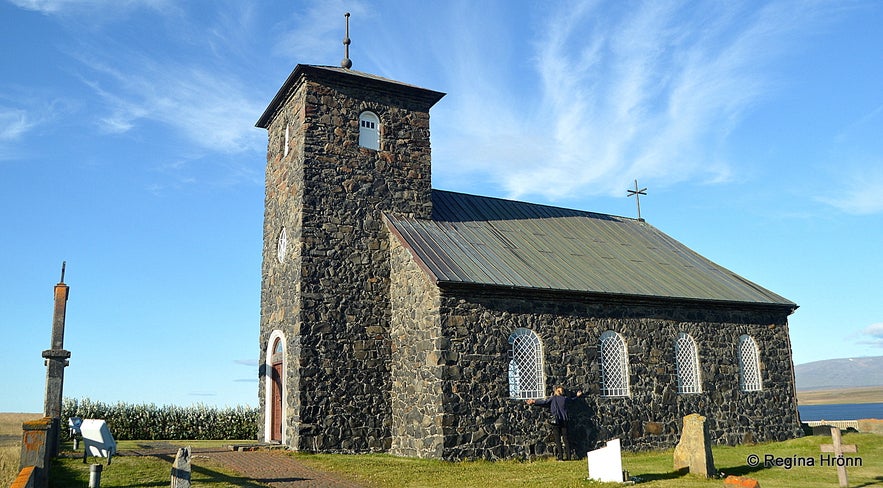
{"points": [[489, 241]]}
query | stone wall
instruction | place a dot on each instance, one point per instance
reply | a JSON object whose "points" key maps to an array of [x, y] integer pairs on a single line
{"points": [[418, 358], [485, 423], [280, 300], [332, 298]]}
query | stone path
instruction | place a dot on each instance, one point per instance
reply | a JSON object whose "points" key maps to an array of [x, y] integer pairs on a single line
{"points": [[275, 468]]}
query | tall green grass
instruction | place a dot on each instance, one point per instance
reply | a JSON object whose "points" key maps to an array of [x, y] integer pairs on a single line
{"points": [[149, 421]]}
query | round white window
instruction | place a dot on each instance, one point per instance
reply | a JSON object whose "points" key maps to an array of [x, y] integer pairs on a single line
{"points": [[281, 245]]}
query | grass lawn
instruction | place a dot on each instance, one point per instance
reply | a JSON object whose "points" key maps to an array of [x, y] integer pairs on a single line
{"points": [[126, 471], [142, 471], [653, 468], [381, 470], [378, 470]]}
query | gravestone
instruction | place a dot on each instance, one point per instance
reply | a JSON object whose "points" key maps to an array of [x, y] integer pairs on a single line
{"points": [[838, 448], [181, 469], [694, 449], [605, 464]]}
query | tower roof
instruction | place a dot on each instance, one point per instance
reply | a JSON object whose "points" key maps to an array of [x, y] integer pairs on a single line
{"points": [[424, 97]]}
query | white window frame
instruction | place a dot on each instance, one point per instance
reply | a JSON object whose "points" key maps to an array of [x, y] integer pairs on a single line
{"points": [[526, 378], [287, 140], [687, 364], [614, 357], [749, 364], [282, 245], [369, 130]]}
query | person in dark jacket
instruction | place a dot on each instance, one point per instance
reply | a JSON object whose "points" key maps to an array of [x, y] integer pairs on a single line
{"points": [[558, 405]]}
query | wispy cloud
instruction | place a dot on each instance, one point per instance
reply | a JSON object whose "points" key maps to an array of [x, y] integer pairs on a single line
{"points": [[203, 393], [212, 108], [14, 123], [856, 191], [873, 335], [61, 6], [649, 91], [22, 113], [313, 32]]}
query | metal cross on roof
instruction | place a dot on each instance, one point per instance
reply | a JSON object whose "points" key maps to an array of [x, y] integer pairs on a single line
{"points": [[637, 194]]}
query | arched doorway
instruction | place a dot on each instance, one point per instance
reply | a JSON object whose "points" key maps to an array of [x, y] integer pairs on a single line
{"points": [[276, 395], [274, 389]]}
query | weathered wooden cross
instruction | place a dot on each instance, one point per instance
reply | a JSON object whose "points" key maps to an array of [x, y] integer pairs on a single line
{"points": [[637, 194], [838, 449]]}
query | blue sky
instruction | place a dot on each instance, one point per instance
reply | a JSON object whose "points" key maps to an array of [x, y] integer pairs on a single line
{"points": [[128, 149]]}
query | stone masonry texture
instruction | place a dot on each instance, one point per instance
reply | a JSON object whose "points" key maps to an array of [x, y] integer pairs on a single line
{"points": [[330, 295], [481, 421]]}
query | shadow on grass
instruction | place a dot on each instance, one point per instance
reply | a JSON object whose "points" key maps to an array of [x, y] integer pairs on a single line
{"points": [[660, 476], [202, 474], [67, 472], [742, 470], [877, 482]]}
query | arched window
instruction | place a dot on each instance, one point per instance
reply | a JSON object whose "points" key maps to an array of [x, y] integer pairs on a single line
{"points": [[614, 365], [687, 364], [526, 365], [749, 365], [369, 130]]}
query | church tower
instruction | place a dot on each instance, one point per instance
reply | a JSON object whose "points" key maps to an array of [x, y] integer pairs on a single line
{"points": [[344, 148]]}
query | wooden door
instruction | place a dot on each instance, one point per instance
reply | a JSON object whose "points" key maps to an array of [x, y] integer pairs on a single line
{"points": [[277, 359], [276, 434]]}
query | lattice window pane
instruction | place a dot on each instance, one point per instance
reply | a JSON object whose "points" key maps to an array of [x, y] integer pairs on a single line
{"points": [[687, 364], [526, 365], [749, 365], [614, 365]]}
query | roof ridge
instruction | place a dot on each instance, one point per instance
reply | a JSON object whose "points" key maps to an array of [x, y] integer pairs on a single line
{"points": [[541, 205]]}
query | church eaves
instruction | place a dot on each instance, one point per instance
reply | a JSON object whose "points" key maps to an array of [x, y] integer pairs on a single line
{"points": [[476, 240]]}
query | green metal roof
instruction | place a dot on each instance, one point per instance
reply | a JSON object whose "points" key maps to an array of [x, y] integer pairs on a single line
{"points": [[490, 241]]}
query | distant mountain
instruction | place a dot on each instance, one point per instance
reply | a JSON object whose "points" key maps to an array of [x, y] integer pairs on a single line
{"points": [[840, 373]]}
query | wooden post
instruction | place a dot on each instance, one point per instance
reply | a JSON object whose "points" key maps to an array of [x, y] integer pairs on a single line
{"points": [[838, 449]]}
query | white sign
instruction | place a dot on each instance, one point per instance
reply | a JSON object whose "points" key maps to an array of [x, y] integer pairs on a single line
{"points": [[97, 439]]}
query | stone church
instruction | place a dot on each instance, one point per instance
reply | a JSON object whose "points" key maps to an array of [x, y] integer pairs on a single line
{"points": [[398, 318]]}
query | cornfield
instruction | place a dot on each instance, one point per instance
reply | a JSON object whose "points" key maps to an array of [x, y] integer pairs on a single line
{"points": [[148, 421]]}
